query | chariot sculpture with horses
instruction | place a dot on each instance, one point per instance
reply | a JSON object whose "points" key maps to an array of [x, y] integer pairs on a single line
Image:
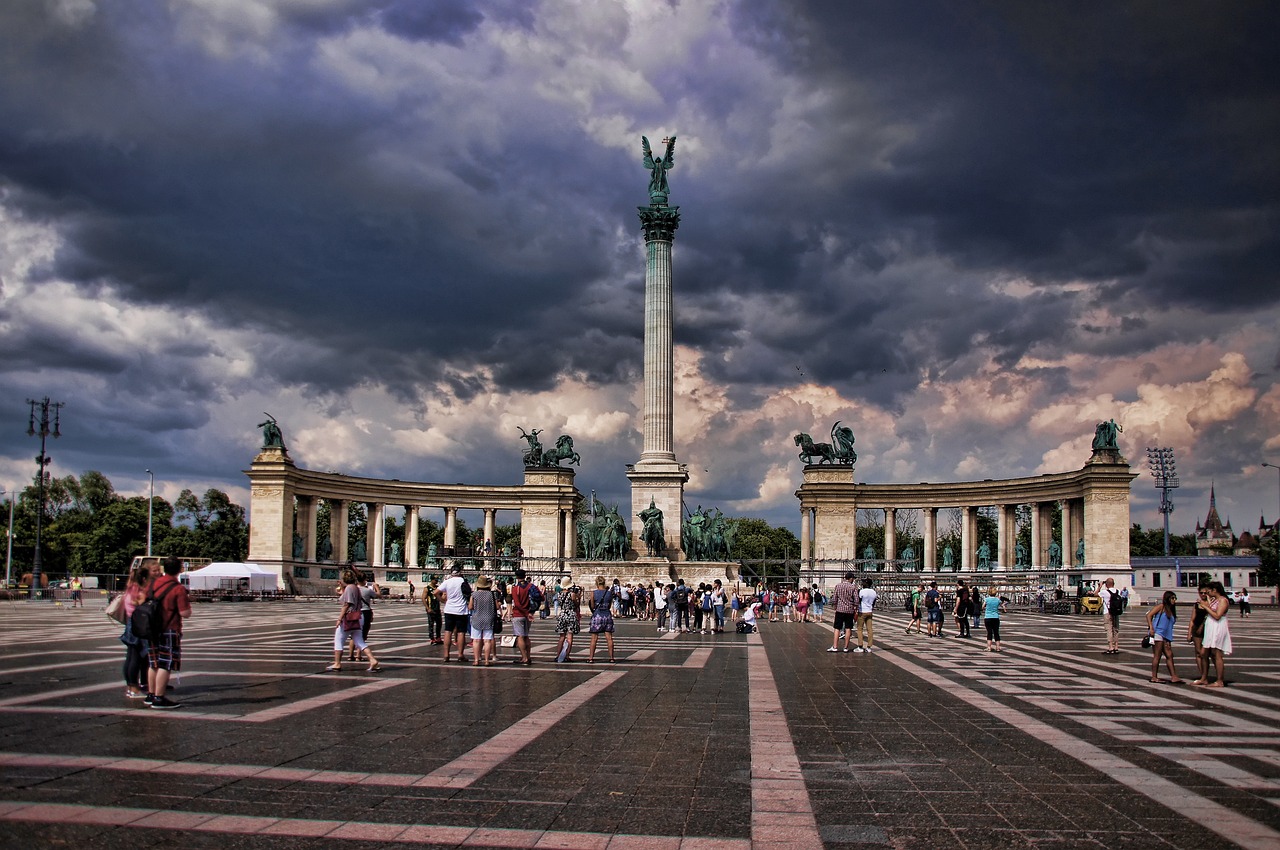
{"points": [[838, 451], [563, 450]]}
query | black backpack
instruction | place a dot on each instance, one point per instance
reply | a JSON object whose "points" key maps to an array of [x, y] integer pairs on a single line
{"points": [[907, 606], [535, 597], [1117, 604], [147, 621], [682, 595]]}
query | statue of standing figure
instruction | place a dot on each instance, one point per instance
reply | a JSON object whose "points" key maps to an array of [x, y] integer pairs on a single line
{"points": [[1020, 557], [1080, 553], [325, 549], [984, 556], [1105, 436], [395, 552], [869, 553], [658, 167], [431, 555], [909, 557], [948, 559], [358, 552], [1055, 554]]}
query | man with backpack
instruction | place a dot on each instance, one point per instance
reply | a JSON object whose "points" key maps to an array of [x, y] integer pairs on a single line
{"points": [[680, 598], [166, 606], [1112, 607], [933, 608]]}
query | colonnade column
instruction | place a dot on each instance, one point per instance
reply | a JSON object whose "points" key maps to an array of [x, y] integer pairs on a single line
{"points": [[450, 529], [1006, 535], [806, 531], [1039, 554], [375, 540], [570, 539], [339, 520], [929, 556], [490, 527], [411, 535], [966, 538], [890, 534]]}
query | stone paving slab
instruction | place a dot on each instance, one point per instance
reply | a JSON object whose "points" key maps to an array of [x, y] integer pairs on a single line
{"points": [[691, 741]]}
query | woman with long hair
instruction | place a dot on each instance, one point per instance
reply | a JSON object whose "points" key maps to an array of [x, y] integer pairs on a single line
{"points": [[135, 647], [1160, 622], [993, 604], [568, 620], [1195, 635], [1217, 634]]}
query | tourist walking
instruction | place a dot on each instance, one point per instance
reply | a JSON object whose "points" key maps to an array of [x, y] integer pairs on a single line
{"points": [[993, 605], [1217, 633], [846, 602], [77, 594], [961, 610], [1245, 608], [717, 607], [862, 623], [819, 602], [173, 605], [1112, 606], [601, 618], [933, 609], [917, 609], [484, 614], [568, 621], [350, 625], [368, 593], [453, 594], [660, 595], [135, 646], [431, 604], [803, 600], [1160, 622]]}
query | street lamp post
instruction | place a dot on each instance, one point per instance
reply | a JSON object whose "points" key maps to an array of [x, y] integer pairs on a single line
{"points": [[151, 500], [1164, 471], [42, 461]]}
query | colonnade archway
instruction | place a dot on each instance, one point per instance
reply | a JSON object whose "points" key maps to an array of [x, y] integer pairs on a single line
{"points": [[285, 501], [1094, 501]]}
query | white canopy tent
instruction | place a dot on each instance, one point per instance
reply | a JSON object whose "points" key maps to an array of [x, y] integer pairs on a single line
{"points": [[222, 575]]}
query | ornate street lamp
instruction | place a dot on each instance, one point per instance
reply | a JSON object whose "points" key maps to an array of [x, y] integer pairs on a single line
{"points": [[42, 461], [1164, 471]]}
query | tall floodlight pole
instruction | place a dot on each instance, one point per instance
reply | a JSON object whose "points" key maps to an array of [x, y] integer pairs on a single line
{"points": [[151, 499], [1165, 472], [8, 555], [1277, 469], [40, 425]]}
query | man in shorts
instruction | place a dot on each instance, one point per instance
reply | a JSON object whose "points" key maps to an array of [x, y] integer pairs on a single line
{"points": [[454, 593], [933, 608], [165, 655], [846, 602], [521, 614]]}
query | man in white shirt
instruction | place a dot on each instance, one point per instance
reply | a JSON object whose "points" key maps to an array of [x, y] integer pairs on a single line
{"points": [[866, 604], [453, 595], [1111, 615]]}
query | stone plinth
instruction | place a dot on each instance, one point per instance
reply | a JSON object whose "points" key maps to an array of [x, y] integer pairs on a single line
{"points": [[653, 571], [546, 521], [663, 484]]}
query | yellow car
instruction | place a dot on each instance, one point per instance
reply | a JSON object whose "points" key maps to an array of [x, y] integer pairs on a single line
{"points": [[1091, 605]]}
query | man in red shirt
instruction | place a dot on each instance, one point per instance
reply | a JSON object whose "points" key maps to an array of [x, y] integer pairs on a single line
{"points": [[521, 614], [165, 655]]}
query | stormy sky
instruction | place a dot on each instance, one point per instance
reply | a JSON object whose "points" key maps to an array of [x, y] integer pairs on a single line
{"points": [[407, 227]]}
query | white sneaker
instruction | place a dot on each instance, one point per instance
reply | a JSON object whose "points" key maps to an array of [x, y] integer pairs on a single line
{"points": [[832, 649]]}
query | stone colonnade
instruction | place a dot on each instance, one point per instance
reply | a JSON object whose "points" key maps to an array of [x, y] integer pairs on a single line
{"points": [[1094, 499], [281, 492]]}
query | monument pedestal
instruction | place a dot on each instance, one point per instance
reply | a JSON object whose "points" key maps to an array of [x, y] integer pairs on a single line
{"points": [[660, 482]]}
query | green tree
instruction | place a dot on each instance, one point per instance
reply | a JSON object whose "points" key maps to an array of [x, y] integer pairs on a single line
{"points": [[1269, 572]]}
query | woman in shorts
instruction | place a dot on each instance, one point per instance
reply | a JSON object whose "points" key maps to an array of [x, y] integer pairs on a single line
{"points": [[803, 599], [349, 624], [602, 599], [992, 606], [1195, 636], [1160, 622]]}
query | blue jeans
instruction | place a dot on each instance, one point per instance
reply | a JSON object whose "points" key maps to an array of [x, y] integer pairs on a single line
{"points": [[719, 612]]}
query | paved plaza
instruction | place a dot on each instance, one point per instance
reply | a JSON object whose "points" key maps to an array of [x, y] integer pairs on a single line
{"points": [[690, 741]]}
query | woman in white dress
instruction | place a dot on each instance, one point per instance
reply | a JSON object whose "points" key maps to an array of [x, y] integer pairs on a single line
{"points": [[1217, 634]]}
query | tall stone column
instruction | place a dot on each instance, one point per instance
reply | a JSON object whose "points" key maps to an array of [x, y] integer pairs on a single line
{"points": [[307, 526], [890, 535], [930, 554], [411, 535], [805, 535], [450, 528], [376, 540], [490, 527], [1006, 535], [1039, 546], [657, 476], [968, 557], [339, 526]]}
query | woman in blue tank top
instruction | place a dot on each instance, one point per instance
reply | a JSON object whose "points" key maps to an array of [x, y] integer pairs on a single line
{"points": [[992, 605]]}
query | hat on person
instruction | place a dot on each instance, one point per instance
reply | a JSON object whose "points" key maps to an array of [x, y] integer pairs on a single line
{"points": [[483, 583]]}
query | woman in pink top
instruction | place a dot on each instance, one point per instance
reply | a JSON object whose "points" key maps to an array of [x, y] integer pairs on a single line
{"points": [[135, 648]]}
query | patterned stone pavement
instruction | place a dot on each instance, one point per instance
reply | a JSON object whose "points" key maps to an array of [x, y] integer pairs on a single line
{"points": [[693, 741]]}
